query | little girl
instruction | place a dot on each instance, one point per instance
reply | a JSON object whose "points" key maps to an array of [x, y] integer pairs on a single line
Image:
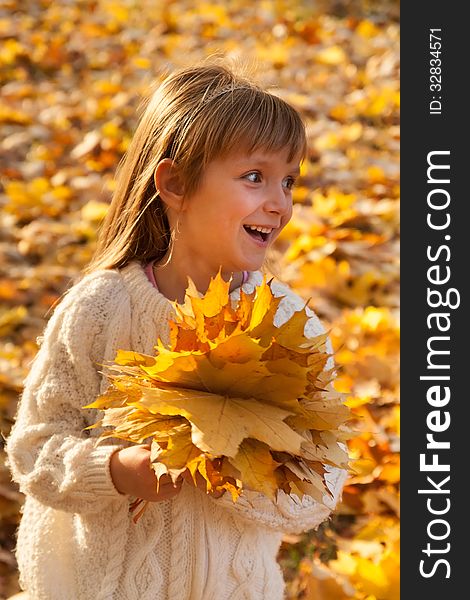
{"points": [[206, 183]]}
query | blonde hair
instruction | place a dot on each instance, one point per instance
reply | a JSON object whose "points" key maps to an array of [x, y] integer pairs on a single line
{"points": [[196, 115]]}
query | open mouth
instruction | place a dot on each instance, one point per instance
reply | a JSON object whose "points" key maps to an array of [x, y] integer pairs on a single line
{"points": [[261, 234]]}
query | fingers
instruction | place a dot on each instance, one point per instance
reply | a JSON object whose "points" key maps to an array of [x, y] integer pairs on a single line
{"points": [[132, 474], [165, 488]]}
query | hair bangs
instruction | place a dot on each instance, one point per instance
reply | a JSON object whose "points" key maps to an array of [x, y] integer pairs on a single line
{"points": [[251, 119]]}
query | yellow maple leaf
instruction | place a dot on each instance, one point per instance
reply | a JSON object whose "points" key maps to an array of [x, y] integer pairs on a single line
{"points": [[221, 423], [257, 466]]}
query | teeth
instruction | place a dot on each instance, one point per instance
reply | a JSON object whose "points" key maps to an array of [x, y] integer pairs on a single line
{"points": [[261, 229]]}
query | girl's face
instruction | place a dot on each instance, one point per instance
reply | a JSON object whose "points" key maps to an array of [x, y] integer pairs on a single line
{"points": [[240, 207]]}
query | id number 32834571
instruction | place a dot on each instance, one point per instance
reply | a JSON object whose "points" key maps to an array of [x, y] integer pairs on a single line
{"points": [[435, 71]]}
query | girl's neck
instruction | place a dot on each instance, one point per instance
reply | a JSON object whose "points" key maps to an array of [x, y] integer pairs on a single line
{"points": [[173, 282]]}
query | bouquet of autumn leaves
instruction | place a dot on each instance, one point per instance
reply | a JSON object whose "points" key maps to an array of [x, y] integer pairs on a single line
{"points": [[233, 397]]}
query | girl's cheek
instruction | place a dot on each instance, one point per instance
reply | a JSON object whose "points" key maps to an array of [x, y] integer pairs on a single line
{"points": [[285, 220]]}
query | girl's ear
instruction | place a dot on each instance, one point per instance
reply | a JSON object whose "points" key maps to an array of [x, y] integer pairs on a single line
{"points": [[168, 183]]}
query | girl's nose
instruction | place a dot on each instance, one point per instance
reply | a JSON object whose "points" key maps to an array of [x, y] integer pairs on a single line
{"points": [[278, 200]]}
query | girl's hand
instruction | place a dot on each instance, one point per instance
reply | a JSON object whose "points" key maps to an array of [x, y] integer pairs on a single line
{"points": [[132, 474]]}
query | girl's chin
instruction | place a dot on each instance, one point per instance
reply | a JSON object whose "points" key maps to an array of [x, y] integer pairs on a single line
{"points": [[254, 264], [252, 258]]}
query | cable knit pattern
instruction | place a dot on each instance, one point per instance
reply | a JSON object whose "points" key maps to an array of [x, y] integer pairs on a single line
{"points": [[182, 546], [244, 563], [76, 539], [116, 541], [143, 570]]}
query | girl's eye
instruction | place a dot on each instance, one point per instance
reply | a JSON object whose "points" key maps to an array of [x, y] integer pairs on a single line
{"points": [[289, 183], [254, 177]]}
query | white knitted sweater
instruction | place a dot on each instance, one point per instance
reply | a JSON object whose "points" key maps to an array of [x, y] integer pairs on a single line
{"points": [[76, 539]]}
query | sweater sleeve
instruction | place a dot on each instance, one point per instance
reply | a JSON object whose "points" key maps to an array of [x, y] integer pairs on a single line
{"points": [[50, 454], [287, 513]]}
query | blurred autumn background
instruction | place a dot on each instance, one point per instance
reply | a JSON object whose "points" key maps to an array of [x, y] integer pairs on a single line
{"points": [[73, 73]]}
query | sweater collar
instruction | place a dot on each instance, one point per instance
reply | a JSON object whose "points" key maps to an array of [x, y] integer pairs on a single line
{"points": [[148, 303], [141, 287]]}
